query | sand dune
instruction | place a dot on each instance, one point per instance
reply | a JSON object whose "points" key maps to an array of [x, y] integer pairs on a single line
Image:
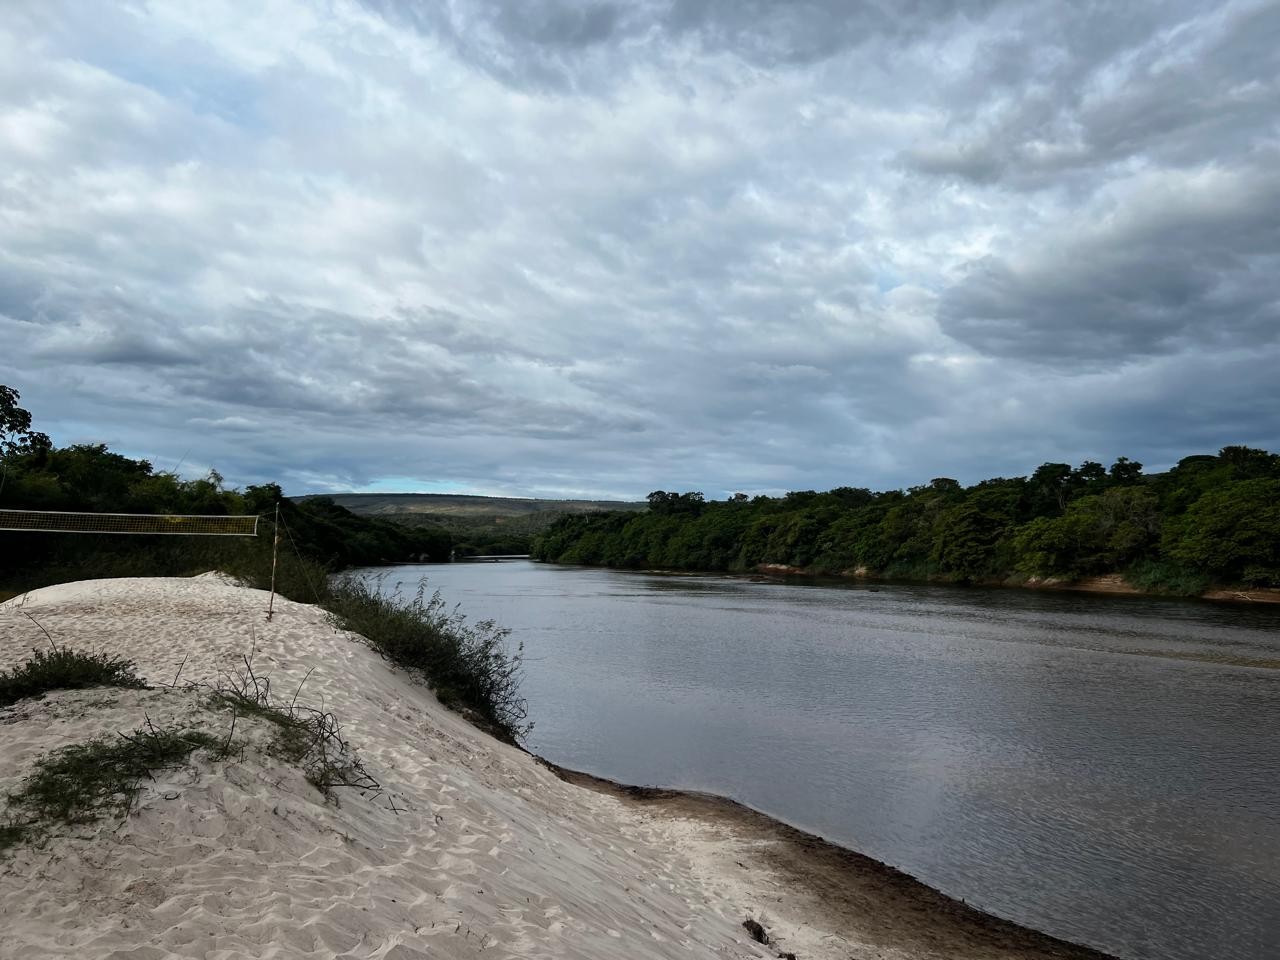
{"points": [[473, 849]]}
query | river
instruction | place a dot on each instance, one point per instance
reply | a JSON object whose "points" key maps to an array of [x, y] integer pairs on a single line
{"points": [[1104, 769]]}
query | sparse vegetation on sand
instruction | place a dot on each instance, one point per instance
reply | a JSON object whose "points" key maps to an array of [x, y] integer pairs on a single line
{"points": [[63, 669], [304, 736], [468, 665], [84, 782]]}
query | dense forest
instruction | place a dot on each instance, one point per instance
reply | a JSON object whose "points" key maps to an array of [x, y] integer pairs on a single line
{"points": [[36, 475], [1211, 520]]}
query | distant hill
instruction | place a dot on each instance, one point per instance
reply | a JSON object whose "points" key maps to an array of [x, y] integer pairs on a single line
{"points": [[477, 524], [382, 504]]}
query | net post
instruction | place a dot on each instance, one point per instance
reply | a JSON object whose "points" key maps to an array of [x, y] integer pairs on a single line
{"points": [[275, 552]]}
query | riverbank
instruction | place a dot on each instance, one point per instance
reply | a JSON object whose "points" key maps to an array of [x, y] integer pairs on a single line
{"points": [[469, 846], [820, 899], [1112, 583]]}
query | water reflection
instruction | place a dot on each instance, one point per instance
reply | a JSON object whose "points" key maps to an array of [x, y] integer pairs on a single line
{"points": [[1103, 768]]}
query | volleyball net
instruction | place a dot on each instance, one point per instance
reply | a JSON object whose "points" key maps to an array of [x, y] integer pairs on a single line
{"points": [[60, 521]]}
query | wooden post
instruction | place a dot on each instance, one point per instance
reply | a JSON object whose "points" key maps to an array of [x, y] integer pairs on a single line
{"points": [[275, 552]]}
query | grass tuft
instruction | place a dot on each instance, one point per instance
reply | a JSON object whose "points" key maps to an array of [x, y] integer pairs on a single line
{"points": [[86, 781], [469, 666], [66, 670]]}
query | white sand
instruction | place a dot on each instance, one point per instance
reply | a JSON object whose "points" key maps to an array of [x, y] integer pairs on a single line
{"points": [[485, 853], [489, 855]]}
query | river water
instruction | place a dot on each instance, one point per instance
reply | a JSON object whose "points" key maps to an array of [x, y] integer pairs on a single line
{"points": [[1105, 769]]}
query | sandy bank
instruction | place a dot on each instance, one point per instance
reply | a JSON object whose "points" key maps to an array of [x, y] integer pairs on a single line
{"points": [[473, 848]]}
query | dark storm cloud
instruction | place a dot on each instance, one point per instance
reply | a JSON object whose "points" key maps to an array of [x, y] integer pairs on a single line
{"points": [[1130, 81], [1192, 265], [542, 41], [773, 32], [600, 247], [560, 24]]}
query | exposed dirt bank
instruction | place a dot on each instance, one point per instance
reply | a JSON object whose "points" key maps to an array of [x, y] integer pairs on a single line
{"points": [[1113, 583]]}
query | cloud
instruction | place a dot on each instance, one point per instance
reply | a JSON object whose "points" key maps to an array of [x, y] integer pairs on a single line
{"points": [[1171, 262], [600, 248], [1129, 84]]}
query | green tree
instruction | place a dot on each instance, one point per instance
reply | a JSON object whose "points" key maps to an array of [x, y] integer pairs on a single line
{"points": [[1250, 464], [970, 535], [1232, 533], [16, 434], [1050, 485], [1096, 534], [1125, 471]]}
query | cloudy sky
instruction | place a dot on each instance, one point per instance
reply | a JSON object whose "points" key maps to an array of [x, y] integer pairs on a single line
{"points": [[585, 247]]}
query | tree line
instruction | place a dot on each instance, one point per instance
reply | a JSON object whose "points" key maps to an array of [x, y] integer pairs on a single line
{"points": [[37, 475], [1210, 520]]}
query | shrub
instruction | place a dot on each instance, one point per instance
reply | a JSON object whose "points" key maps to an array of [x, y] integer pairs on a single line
{"points": [[66, 670], [1167, 576], [305, 736], [467, 665]]}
